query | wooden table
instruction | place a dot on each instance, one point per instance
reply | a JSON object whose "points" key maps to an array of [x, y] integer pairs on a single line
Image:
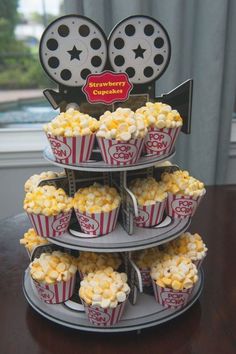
{"points": [[208, 327]]}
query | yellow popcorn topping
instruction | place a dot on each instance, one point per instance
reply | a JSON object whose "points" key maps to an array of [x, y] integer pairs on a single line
{"points": [[90, 261], [148, 191], [47, 200], [54, 267], [96, 198], [105, 288], [32, 240], [174, 272], [188, 245], [72, 123], [180, 182], [34, 180], [145, 258], [121, 125], [160, 115]]}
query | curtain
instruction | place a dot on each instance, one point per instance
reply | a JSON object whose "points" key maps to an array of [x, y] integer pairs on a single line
{"points": [[202, 34]]}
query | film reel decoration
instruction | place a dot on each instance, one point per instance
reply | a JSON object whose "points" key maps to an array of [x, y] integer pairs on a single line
{"points": [[71, 48], [139, 46]]}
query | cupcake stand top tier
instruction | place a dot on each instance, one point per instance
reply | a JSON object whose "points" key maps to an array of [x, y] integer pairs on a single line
{"points": [[73, 51]]}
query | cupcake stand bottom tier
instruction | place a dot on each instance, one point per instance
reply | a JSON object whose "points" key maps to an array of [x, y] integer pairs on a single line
{"points": [[145, 313]]}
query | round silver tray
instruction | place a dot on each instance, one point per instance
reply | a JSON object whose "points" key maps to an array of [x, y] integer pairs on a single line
{"points": [[120, 241], [145, 313], [100, 166]]}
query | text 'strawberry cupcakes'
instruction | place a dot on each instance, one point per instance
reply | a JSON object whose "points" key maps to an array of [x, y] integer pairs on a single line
{"points": [[164, 125], [184, 193], [173, 281], [90, 262], [104, 294], [97, 209], [71, 136], [144, 260], [49, 210], [34, 180], [190, 246], [121, 137], [151, 198], [31, 240], [53, 276]]}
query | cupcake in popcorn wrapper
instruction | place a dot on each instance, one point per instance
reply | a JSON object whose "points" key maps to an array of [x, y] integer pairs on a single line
{"points": [[34, 180], [188, 245], [31, 240], [89, 262], [164, 126], [184, 194], [97, 208], [53, 276], [151, 198], [71, 136], [120, 137], [173, 280], [144, 260], [49, 210], [104, 294]]}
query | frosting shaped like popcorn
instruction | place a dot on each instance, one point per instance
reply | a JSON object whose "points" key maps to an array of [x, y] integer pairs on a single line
{"points": [[32, 240], [90, 261], [145, 258], [180, 182], [54, 267], [148, 191], [121, 125], [72, 123], [188, 245], [96, 199], [105, 288], [176, 272], [47, 200], [34, 180], [160, 115]]}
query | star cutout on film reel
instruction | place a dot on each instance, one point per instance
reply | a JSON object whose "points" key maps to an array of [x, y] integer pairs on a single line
{"points": [[139, 51], [74, 53]]}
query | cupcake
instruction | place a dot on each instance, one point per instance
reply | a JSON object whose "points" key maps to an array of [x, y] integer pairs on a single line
{"points": [[53, 276], [49, 210], [164, 125], [184, 193], [120, 137], [144, 260], [97, 209], [34, 180], [31, 240], [90, 262], [71, 136], [173, 280], [151, 198], [190, 246], [104, 294]]}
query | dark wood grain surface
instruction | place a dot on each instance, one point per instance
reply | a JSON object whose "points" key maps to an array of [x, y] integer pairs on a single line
{"points": [[208, 327]]}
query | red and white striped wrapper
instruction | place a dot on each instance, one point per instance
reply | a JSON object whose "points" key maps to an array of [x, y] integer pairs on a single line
{"points": [[146, 277], [175, 299], [97, 224], [104, 317], [115, 152], [150, 215], [71, 151], [181, 206], [50, 226], [160, 141], [55, 293]]}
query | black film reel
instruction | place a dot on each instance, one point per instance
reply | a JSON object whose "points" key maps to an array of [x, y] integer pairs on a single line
{"points": [[139, 46], [71, 48]]}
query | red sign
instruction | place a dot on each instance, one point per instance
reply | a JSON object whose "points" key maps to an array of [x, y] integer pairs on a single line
{"points": [[107, 87]]}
